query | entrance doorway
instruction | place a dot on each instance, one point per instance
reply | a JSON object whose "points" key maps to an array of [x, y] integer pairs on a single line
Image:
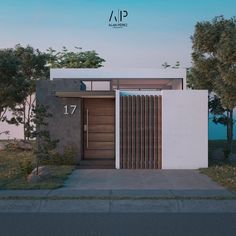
{"points": [[99, 128]]}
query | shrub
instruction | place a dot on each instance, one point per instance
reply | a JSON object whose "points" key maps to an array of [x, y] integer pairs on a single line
{"points": [[26, 167], [68, 157]]}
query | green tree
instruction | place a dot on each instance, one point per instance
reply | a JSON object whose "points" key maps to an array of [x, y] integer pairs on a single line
{"points": [[77, 59], [214, 64], [22, 66], [32, 68], [13, 86], [45, 144]]}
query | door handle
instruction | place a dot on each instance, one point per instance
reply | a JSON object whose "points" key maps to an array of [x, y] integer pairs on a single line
{"points": [[87, 130]]}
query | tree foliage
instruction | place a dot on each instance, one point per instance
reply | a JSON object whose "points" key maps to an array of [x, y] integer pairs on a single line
{"points": [[71, 59], [13, 86], [31, 66], [214, 59], [214, 66], [21, 67], [46, 144]]}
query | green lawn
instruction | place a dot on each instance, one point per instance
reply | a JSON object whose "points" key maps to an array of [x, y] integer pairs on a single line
{"points": [[224, 174], [16, 164], [221, 171]]}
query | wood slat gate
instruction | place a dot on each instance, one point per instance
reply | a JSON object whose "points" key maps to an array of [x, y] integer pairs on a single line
{"points": [[140, 132]]}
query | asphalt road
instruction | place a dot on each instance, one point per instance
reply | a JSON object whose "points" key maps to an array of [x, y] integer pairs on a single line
{"points": [[96, 224]]}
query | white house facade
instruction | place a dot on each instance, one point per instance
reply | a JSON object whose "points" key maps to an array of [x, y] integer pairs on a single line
{"points": [[127, 119]]}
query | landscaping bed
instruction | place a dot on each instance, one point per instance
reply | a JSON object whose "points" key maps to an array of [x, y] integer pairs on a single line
{"points": [[17, 164], [222, 171], [223, 174]]}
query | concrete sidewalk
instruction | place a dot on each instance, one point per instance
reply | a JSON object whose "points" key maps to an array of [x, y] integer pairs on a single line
{"points": [[115, 201], [140, 180], [125, 191]]}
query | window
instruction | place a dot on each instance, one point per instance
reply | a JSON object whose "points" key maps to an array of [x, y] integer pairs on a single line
{"points": [[97, 85]]}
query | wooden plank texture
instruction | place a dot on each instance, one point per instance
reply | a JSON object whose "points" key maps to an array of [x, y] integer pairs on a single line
{"points": [[99, 128], [121, 131], [140, 132], [159, 132]]}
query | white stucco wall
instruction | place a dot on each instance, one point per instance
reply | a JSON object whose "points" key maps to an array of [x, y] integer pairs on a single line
{"points": [[15, 132], [184, 129]]}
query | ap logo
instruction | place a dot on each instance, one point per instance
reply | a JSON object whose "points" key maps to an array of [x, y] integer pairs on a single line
{"points": [[117, 18]]}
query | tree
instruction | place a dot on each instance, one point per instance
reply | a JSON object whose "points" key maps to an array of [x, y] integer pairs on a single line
{"points": [[46, 144], [12, 83], [32, 68], [214, 65], [70, 59], [22, 66]]}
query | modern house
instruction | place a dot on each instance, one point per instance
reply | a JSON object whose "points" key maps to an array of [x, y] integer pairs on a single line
{"points": [[127, 119]]}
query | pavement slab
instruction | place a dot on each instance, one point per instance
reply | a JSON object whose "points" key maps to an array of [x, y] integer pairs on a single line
{"points": [[139, 179], [75, 206], [130, 206], [118, 206], [201, 193], [9, 206], [207, 206], [23, 193], [141, 193], [106, 191], [79, 193]]}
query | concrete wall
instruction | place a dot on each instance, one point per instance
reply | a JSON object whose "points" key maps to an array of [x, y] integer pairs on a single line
{"points": [[184, 129], [66, 128]]}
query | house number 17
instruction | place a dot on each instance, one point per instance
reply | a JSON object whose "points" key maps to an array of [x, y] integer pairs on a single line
{"points": [[69, 109]]}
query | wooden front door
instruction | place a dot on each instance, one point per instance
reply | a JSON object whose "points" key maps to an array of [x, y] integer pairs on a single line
{"points": [[99, 128]]}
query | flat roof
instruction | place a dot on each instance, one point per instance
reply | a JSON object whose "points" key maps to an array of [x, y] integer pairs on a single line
{"points": [[108, 74]]}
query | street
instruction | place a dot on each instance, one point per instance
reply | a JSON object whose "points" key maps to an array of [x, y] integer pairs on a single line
{"points": [[96, 224]]}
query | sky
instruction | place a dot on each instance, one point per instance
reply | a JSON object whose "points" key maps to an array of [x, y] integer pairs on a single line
{"points": [[158, 31]]}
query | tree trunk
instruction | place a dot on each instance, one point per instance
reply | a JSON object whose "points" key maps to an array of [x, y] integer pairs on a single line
{"points": [[24, 119], [28, 114], [230, 126]]}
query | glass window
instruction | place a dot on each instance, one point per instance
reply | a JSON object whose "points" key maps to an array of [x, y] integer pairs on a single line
{"points": [[101, 85], [96, 85]]}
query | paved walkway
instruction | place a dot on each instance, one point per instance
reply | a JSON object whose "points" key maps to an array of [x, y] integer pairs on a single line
{"points": [[140, 179], [125, 191]]}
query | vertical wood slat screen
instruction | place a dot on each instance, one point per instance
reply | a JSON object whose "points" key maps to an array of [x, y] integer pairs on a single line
{"points": [[140, 132]]}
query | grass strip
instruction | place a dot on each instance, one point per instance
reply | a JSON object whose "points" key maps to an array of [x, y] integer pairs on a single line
{"points": [[219, 198]]}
